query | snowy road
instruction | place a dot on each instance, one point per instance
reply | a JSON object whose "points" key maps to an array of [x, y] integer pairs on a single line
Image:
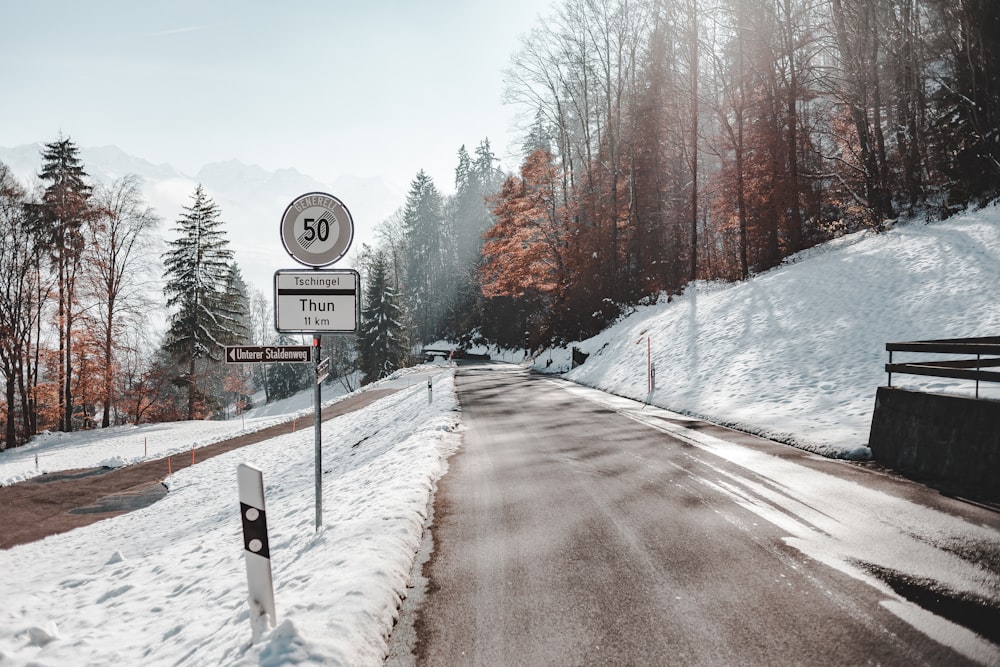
{"points": [[577, 528]]}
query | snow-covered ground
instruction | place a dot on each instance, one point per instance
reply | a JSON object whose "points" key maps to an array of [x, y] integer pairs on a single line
{"points": [[796, 352], [166, 585]]}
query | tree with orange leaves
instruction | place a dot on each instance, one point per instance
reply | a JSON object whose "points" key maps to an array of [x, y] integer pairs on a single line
{"points": [[524, 250]]}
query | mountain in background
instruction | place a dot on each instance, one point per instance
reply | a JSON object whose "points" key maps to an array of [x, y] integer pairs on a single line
{"points": [[252, 200]]}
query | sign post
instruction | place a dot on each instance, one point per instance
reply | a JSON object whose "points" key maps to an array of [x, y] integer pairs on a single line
{"points": [[317, 230], [318, 428]]}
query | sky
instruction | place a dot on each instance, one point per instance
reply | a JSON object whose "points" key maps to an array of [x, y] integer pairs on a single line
{"points": [[375, 88]]}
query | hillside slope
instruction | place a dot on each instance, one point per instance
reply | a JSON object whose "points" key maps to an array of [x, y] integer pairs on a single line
{"points": [[797, 353]]}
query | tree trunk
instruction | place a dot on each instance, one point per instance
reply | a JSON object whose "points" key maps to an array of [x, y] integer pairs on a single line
{"points": [[792, 95], [10, 437], [191, 389], [694, 139], [108, 363]]}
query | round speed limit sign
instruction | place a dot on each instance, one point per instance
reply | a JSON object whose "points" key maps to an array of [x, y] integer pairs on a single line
{"points": [[317, 229]]}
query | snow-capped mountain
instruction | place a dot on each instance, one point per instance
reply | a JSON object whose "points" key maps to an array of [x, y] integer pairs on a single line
{"points": [[252, 199]]}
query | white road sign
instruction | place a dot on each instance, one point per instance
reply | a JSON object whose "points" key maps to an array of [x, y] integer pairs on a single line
{"points": [[317, 229], [318, 301]]}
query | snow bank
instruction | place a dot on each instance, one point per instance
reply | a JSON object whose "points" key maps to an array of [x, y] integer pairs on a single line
{"points": [[797, 353], [166, 585]]}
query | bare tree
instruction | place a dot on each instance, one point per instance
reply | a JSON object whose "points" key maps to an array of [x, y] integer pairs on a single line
{"points": [[60, 219], [20, 254], [262, 332], [120, 271]]}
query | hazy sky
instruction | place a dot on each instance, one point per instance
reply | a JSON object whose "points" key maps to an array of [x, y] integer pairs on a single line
{"points": [[362, 87]]}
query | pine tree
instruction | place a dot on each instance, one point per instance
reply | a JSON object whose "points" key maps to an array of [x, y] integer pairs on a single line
{"points": [[968, 101], [234, 307], [285, 380], [59, 221], [380, 342], [197, 274], [423, 224]]}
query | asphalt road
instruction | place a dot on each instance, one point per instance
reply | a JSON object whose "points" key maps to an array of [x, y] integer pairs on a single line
{"points": [[568, 534]]}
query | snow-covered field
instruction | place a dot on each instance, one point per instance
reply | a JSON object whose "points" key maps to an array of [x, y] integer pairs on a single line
{"points": [[166, 585], [796, 352]]}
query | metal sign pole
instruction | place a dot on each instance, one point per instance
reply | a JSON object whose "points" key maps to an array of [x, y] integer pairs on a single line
{"points": [[317, 395], [317, 231]]}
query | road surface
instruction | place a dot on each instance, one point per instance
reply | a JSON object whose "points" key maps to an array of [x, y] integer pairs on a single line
{"points": [[566, 533]]}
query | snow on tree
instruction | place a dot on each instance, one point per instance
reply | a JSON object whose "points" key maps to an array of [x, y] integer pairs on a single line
{"points": [[381, 342], [198, 288], [426, 252]]}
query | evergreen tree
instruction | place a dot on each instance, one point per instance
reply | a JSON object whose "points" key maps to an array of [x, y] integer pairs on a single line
{"points": [[198, 276], [234, 307], [423, 224], [285, 380], [380, 342], [59, 222], [968, 101], [475, 181]]}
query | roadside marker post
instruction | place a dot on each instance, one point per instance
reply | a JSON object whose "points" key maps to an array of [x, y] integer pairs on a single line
{"points": [[257, 552]]}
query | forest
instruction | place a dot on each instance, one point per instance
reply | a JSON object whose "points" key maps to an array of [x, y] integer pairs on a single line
{"points": [[668, 141]]}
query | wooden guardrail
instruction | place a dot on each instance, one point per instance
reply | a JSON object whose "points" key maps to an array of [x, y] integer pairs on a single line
{"points": [[986, 351]]}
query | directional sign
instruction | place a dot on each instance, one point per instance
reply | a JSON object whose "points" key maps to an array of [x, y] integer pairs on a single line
{"points": [[241, 354], [317, 301], [317, 229]]}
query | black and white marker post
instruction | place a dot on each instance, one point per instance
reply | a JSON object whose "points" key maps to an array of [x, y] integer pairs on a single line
{"points": [[257, 553]]}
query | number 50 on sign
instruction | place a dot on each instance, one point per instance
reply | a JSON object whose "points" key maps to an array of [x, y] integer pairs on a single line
{"points": [[317, 229]]}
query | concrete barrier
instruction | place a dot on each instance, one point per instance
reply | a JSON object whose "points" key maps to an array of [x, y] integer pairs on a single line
{"points": [[949, 442]]}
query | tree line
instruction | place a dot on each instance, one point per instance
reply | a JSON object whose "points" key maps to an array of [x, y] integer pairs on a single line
{"points": [[681, 140], [80, 268], [670, 141], [74, 285], [677, 140]]}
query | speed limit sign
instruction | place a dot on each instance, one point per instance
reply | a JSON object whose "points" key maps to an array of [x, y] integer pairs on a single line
{"points": [[317, 229]]}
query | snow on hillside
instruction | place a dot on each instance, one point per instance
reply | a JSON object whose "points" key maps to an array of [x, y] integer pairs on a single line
{"points": [[166, 585], [798, 352], [124, 445]]}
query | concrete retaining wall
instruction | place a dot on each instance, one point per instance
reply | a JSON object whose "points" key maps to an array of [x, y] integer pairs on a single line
{"points": [[949, 442]]}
